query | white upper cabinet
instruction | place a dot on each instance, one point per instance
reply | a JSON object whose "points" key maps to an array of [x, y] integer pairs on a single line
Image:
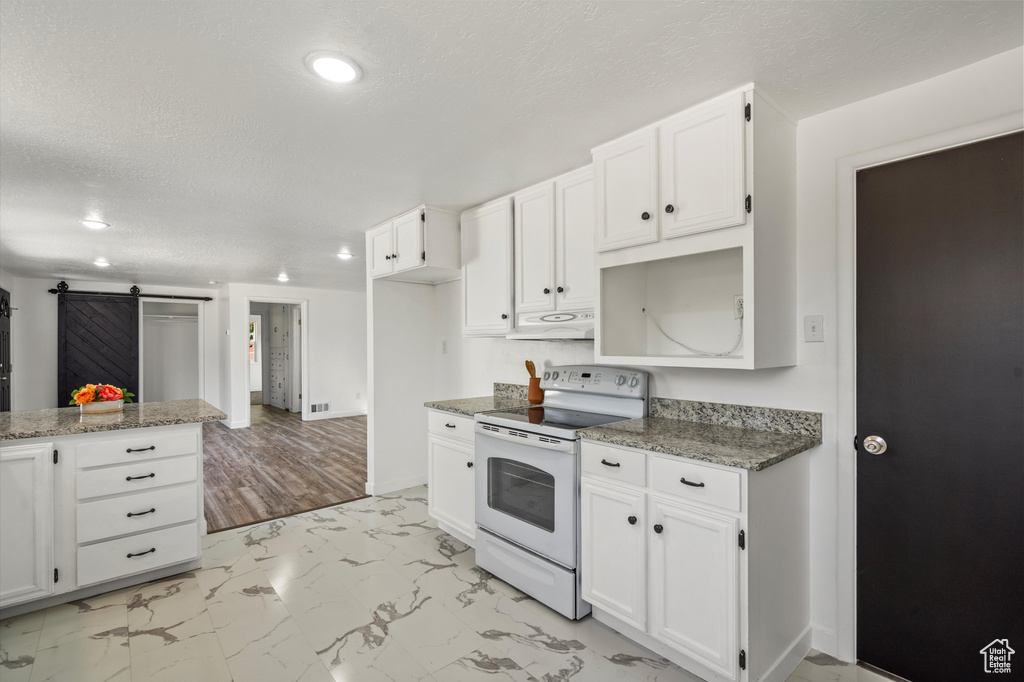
{"points": [[702, 170], [626, 180], [574, 240], [379, 247], [26, 523], [409, 251], [487, 269], [419, 246], [535, 249]]}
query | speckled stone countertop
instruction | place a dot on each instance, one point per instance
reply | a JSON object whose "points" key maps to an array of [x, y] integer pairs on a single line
{"points": [[716, 433], [506, 397], [69, 421]]}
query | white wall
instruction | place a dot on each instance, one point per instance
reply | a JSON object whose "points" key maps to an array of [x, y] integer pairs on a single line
{"points": [[984, 90], [170, 359], [335, 329], [34, 337]]}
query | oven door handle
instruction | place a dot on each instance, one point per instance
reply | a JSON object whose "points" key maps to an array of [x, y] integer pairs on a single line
{"points": [[527, 439]]}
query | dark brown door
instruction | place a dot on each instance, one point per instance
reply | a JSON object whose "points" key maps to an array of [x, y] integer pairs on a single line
{"points": [[940, 352], [97, 342], [5, 351]]}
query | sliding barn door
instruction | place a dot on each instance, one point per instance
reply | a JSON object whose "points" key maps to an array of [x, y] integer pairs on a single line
{"points": [[97, 342]]}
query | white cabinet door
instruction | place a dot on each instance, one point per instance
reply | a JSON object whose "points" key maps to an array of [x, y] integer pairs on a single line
{"points": [[702, 169], [535, 249], [408, 233], [574, 240], [450, 481], [487, 269], [26, 523], [614, 551], [694, 589], [626, 182], [381, 244]]}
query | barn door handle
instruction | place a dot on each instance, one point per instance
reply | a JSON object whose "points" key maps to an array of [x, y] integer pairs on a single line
{"points": [[151, 447]]}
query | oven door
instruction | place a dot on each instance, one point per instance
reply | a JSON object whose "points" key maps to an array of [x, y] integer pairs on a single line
{"points": [[527, 490]]}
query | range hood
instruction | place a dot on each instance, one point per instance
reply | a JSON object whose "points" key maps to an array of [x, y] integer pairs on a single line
{"points": [[554, 326]]}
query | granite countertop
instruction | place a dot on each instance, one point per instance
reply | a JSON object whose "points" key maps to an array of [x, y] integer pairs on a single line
{"points": [[470, 406], [69, 421], [731, 446]]}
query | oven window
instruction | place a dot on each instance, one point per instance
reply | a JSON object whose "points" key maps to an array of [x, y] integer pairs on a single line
{"points": [[521, 491]]}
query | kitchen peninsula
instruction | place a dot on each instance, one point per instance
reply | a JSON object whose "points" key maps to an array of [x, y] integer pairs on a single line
{"points": [[94, 502]]}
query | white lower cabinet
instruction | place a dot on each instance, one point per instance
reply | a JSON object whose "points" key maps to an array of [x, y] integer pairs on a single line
{"points": [[706, 565], [451, 481], [26, 523]]}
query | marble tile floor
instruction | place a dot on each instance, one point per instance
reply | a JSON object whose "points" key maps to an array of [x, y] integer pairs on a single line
{"points": [[367, 591]]}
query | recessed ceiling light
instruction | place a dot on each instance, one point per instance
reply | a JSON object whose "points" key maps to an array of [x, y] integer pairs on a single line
{"points": [[345, 255], [95, 224], [100, 263], [334, 67], [282, 277]]}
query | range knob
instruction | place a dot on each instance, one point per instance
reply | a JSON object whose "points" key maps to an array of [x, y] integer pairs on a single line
{"points": [[620, 380], [634, 382], [547, 375], [554, 376]]}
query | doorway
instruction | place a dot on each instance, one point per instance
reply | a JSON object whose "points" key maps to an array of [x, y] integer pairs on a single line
{"points": [[171, 351], [939, 352]]}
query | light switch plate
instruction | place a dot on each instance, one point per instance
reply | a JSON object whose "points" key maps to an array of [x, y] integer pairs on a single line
{"points": [[814, 330]]}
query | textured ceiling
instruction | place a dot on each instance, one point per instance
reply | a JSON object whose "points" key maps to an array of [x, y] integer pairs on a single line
{"points": [[195, 130]]}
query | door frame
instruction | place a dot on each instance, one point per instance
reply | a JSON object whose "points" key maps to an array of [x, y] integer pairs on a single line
{"points": [[303, 304], [846, 335]]}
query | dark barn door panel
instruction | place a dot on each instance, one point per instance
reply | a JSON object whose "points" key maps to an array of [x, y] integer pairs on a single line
{"points": [[5, 351], [97, 342], [940, 352]]}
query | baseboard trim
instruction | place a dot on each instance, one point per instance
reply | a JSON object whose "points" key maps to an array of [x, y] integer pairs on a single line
{"points": [[785, 664], [313, 416], [825, 640], [241, 424], [395, 484]]}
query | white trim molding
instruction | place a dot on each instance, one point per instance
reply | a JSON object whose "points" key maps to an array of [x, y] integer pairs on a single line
{"points": [[846, 178]]}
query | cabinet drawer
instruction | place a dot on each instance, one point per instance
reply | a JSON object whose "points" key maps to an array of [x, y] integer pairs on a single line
{"points": [[703, 483], [625, 466], [450, 425], [137, 444], [151, 509], [129, 478], [109, 560]]}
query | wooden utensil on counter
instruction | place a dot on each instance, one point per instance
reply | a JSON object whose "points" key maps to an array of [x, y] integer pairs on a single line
{"points": [[535, 394]]}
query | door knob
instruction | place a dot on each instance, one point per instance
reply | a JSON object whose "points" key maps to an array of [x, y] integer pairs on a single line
{"points": [[875, 445]]}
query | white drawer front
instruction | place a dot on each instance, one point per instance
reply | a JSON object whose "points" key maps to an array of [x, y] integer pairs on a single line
{"points": [[129, 478], [136, 445], [705, 484], [148, 510], [450, 425], [109, 560], [625, 466]]}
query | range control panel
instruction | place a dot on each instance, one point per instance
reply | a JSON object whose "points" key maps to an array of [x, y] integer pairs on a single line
{"points": [[596, 380]]}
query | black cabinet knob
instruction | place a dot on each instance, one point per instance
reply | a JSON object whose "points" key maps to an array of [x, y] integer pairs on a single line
{"points": [[559, 289], [504, 316], [547, 291], [658, 528], [395, 256], [632, 520], [645, 216], [669, 208], [387, 257], [469, 465]]}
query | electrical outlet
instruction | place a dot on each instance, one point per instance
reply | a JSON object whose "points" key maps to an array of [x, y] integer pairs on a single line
{"points": [[737, 306], [814, 330]]}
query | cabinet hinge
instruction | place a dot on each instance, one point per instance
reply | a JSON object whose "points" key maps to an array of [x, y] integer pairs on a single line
{"points": [[55, 457], [746, 111], [423, 255], [743, 539], [748, 204], [56, 575], [423, 216], [743, 659]]}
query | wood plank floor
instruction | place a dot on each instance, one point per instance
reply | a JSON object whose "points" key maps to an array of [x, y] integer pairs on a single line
{"points": [[280, 466]]}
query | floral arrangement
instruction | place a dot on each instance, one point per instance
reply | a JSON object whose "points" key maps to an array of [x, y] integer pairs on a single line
{"points": [[99, 393]]}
